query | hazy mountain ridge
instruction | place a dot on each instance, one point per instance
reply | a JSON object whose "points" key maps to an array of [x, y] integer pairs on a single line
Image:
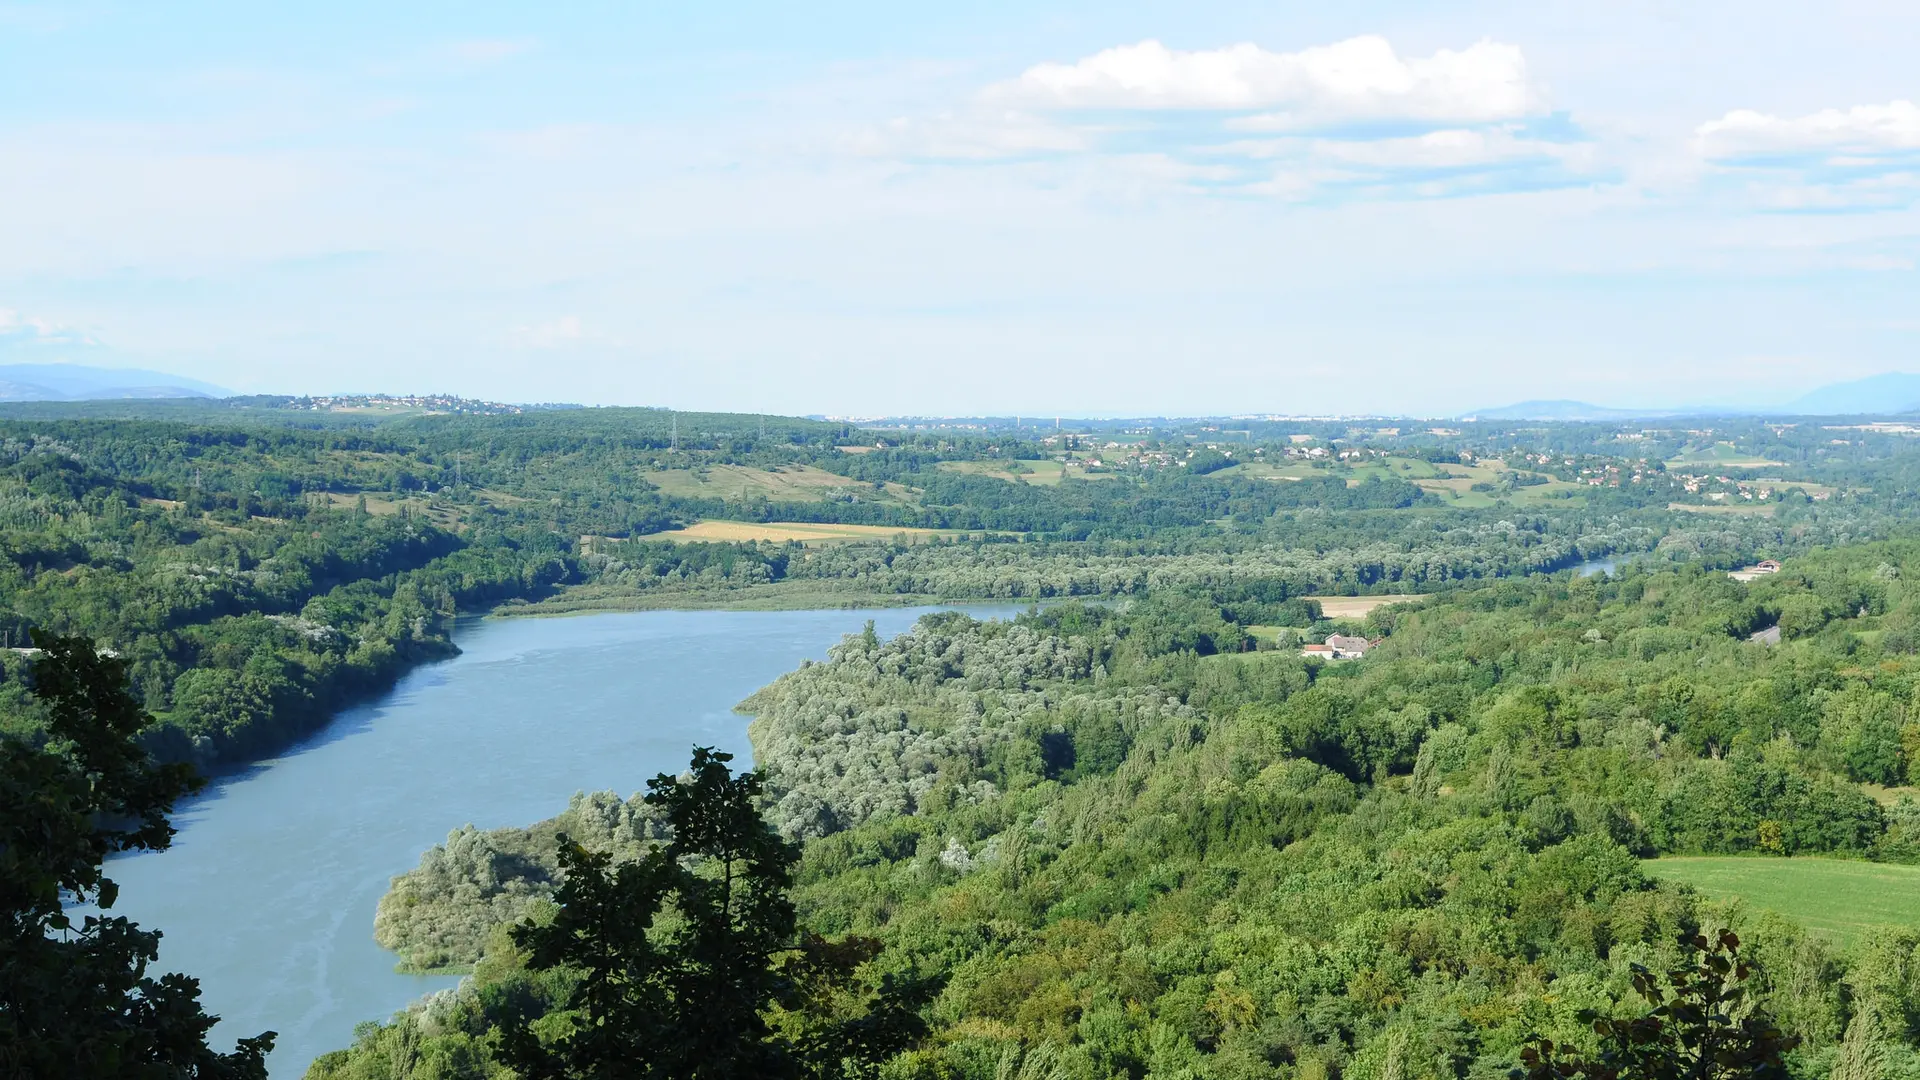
{"points": [[80, 382], [1876, 395]]}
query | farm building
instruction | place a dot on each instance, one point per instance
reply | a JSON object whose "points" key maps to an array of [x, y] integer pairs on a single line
{"points": [[1340, 647], [1757, 570]]}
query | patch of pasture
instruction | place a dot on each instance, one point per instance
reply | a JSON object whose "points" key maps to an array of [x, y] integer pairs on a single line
{"points": [[1840, 898], [785, 483]]}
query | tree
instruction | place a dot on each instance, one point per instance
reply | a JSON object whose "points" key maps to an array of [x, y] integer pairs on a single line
{"points": [[76, 1001], [683, 956], [1701, 1027]]}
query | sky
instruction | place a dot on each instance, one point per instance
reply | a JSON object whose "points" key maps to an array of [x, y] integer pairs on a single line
{"points": [[1120, 208]]}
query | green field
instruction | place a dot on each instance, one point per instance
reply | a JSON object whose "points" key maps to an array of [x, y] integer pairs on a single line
{"points": [[1740, 509], [784, 483], [1837, 897], [1451, 482], [1046, 473], [1721, 454]]}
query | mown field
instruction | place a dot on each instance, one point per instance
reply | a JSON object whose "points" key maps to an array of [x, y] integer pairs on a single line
{"points": [[1739, 509], [784, 483], [1720, 454], [805, 532], [1045, 473], [1451, 482], [1354, 607], [1837, 897]]}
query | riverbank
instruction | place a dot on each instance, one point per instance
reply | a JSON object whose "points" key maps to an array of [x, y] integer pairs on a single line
{"points": [[269, 892], [774, 596]]}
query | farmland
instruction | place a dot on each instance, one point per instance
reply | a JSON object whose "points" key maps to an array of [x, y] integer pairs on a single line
{"points": [[1046, 473], [1354, 607], [784, 483], [1722, 455], [805, 532], [1450, 482], [1836, 897], [1740, 509]]}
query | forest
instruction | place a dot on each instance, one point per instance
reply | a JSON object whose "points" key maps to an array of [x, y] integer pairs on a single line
{"points": [[1133, 832], [1126, 840]]}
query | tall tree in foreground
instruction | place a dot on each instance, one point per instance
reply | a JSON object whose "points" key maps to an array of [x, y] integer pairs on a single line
{"points": [[1702, 1027], [690, 962], [76, 1000]]}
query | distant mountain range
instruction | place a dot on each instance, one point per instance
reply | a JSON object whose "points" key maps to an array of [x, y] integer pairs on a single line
{"points": [[1877, 395], [78, 382]]}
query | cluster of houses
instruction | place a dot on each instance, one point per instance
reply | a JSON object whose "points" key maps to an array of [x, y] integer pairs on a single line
{"points": [[1746, 489], [1340, 647], [432, 403]]}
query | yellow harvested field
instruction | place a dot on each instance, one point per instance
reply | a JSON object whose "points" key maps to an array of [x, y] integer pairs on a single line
{"points": [[1354, 607], [805, 532]]}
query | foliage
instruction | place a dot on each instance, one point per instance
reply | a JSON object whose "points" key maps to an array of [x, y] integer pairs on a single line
{"points": [[76, 1000], [1128, 845], [438, 915], [1701, 1027]]}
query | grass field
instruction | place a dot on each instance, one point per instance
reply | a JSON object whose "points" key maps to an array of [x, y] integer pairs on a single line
{"points": [[788, 483], [1836, 897], [382, 504], [1045, 473], [1739, 509], [1451, 482], [805, 532], [1263, 470], [1722, 455]]}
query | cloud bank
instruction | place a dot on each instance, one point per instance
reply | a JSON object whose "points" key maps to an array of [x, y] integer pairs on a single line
{"points": [[1869, 130], [1359, 79]]}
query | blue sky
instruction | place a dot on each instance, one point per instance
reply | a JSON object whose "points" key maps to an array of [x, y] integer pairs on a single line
{"points": [[1039, 207]]}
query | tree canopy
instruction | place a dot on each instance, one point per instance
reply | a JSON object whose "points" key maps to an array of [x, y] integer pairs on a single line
{"points": [[76, 997]]}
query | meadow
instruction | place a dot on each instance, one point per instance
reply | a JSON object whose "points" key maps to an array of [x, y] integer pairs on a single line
{"points": [[1451, 482], [782, 483], [1046, 472], [1721, 454], [1841, 898]]}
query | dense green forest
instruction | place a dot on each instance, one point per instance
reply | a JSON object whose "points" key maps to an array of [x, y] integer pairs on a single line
{"points": [[1122, 837], [1126, 841]]}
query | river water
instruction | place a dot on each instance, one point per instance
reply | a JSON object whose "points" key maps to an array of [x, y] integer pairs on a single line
{"points": [[267, 895]]}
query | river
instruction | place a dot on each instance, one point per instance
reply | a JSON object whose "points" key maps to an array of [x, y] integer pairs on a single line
{"points": [[267, 895]]}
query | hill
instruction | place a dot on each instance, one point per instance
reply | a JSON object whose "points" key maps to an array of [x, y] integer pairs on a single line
{"points": [[80, 382], [1564, 410], [1892, 392]]}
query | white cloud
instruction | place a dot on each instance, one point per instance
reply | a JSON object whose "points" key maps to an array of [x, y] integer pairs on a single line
{"points": [[1362, 78], [1453, 148], [1846, 137], [1866, 158], [1315, 113]]}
